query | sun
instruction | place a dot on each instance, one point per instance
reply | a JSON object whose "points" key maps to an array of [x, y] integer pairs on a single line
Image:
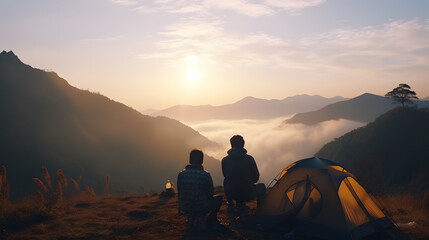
{"points": [[193, 74]]}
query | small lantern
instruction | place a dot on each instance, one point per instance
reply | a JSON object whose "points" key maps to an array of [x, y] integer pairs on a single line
{"points": [[169, 189], [168, 185]]}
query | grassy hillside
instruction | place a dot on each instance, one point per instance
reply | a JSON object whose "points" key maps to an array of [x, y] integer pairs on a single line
{"points": [[47, 122], [154, 217], [390, 154]]}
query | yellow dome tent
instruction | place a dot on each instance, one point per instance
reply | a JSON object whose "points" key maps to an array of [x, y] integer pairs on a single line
{"points": [[322, 199]]}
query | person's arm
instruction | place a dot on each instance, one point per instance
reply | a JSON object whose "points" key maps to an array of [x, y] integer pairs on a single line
{"points": [[253, 169], [223, 167], [179, 184], [210, 186]]}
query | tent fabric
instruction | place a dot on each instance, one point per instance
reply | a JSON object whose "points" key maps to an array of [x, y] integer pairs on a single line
{"points": [[366, 200], [355, 215], [333, 205]]}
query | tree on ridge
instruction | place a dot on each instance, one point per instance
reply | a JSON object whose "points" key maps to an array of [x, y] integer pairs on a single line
{"points": [[402, 94]]}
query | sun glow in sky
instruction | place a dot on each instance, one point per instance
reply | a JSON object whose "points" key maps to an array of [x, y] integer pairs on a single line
{"points": [[148, 54], [193, 74]]}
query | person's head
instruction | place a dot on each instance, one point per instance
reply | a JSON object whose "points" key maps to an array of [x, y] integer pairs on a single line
{"points": [[196, 157], [237, 141]]}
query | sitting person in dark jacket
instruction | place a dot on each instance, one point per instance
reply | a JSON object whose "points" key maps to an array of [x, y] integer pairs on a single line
{"points": [[241, 174], [195, 191]]}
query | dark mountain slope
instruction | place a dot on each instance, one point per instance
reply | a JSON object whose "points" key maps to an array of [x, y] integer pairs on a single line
{"points": [[390, 154], [45, 121], [364, 108], [249, 108]]}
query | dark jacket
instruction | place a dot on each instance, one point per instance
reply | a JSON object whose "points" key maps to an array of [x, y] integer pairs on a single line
{"points": [[195, 188], [240, 172]]}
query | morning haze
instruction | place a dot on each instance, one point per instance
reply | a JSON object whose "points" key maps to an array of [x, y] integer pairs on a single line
{"points": [[102, 102]]}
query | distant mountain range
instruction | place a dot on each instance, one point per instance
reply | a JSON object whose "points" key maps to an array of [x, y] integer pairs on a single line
{"points": [[248, 108], [149, 111], [425, 99], [45, 121], [388, 155], [364, 108]]}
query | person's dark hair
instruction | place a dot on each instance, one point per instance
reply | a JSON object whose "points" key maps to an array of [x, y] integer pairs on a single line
{"points": [[237, 141], [196, 157]]}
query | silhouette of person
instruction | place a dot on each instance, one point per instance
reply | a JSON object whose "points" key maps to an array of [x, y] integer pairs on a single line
{"points": [[195, 191], [241, 174]]}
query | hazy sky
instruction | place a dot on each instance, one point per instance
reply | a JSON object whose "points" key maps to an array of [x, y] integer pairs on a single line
{"points": [[155, 54]]}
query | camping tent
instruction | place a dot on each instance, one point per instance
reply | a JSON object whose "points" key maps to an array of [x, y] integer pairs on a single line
{"points": [[327, 201]]}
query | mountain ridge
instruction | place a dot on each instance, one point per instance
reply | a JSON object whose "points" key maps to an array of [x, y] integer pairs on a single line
{"points": [[51, 123], [9, 57], [363, 108], [248, 108]]}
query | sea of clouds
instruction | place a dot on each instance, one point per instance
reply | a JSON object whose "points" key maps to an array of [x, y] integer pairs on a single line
{"points": [[273, 145]]}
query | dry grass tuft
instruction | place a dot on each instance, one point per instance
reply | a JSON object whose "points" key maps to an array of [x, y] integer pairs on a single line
{"points": [[409, 213], [39, 196], [4, 196], [60, 192], [47, 177], [40, 184], [63, 179], [89, 192], [49, 197], [45, 205], [4, 187], [76, 183]]}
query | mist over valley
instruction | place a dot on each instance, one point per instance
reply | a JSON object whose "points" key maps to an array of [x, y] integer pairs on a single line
{"points": [[273, 145]]}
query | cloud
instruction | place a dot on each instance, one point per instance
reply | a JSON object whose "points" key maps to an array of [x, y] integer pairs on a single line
{"points": [[240, 6], [144, 9], [163, 1], [189, 9], [207, 7], [194, 28], [273, 147], [125, 2], [397, 44], [113, 38], [293, 4], [193, 37], [207, 39]]}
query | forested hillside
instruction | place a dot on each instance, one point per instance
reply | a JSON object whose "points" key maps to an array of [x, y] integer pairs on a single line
{"points": [[390, 154], [364, 108]]}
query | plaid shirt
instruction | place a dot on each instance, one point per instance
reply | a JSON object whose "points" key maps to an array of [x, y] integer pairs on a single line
{"points": [[195, 188]]}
